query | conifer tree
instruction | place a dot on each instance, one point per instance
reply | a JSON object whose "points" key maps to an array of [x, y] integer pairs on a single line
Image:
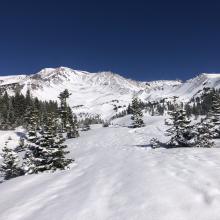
{"points": [[4, 116], [10, 166], [68, 120], [19, 106], [32, 120], [214, 114], [28, 99], [204, 135], [48, 153], [63, 110], [180, 130], [129, 110], [137, 115], [58, 153], [71, 125]]}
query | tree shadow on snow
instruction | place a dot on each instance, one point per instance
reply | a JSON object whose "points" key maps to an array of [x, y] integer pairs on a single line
{"points": [[20, 134], [143, 145], [160, 145]]}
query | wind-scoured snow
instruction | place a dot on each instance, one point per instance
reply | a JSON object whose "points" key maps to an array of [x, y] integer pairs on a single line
{"points": [[117, 176]]}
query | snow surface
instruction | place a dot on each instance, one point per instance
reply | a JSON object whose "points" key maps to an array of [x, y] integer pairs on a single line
{"points": [[117, 176]]}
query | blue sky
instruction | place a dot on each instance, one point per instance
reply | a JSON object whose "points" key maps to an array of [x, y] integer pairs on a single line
{"points": [[143, 40]]}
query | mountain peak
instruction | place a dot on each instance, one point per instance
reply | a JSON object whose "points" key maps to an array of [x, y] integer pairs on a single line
{"points": [[100, 93]]}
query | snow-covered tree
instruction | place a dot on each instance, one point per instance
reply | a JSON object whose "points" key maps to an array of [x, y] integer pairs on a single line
{"points": [[214, 114], [203, 133], [10, 166], [68, 119], [137, 115], [58, 154], [38, 153], [32, 119], [63, 110], [71, 126], [48, 153], [180, 130]]}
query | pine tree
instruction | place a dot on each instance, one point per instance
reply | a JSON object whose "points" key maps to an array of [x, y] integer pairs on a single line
{"points": [[4, 111], [37, 155], [10, 165], [204, 135], [32, 120], [48, 153], [63, 110], [137, 114], [71, 125], [19, 107], [180, 130], [28, 99], [68, 120], [129, 110], [214, 114], [58, 152]]}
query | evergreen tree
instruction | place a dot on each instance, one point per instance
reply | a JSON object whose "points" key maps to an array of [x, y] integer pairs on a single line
{"points": [[48, 153], [28, 99], [204, 135], [68, 120], [32, 120], [214, 114], [10, 165], [58, 152], [63, 110], [180, 130], [14, 109], [137, 114], [4, 115], [129, 110], [19, 106], [71, 125]]}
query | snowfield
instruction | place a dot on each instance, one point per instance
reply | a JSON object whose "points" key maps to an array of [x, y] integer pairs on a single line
{"points": [[117, 176]]}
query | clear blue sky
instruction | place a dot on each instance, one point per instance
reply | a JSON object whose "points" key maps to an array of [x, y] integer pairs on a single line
{"points": [[142, 40]]}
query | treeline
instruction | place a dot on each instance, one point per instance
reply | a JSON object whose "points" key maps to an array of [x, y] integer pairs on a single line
{"points": [[199, 105], [43, 148], [14, 109], [184, 132]]}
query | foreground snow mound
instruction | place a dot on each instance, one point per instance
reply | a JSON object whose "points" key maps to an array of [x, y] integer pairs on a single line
{"points": [[118, 176]]}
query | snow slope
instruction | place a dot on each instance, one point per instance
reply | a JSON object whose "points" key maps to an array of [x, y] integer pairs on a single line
{"points": [[99, 93], [116, 176]]}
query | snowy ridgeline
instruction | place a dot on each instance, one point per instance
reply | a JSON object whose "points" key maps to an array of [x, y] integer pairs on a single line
{"points": [[103, 93], [117, 176]]}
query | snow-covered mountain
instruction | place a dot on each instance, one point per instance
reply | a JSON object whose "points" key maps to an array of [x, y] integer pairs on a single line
{"points": [[99, 93]]}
